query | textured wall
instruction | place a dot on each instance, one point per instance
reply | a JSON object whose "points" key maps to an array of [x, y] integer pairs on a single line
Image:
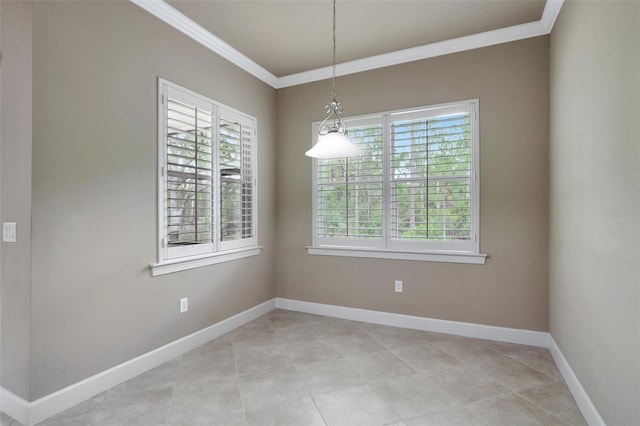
{"points": [[94, 304], [16, 194], [595, 202], [512, 83]]}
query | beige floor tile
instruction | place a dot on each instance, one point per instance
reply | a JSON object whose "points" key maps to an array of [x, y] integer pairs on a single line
{"points": [[467, 384], [433, 337], [6, 420], [81, 415], [306, 352], [334, 327], [394, 338], [428, 359], [513, 375], [470, 351], [556, 398], [356, 344], [271, 387], [532, 356], [456, 416], [143, 400], [145, 408], [280, 318], [203, 402], [257, 360], [207, 363], [159, 377], [411, 396], [541, 361], [290, 413], [510, 410], [382, 365], [300, 333], [258, 324], [355, 407], [254, 339], [327, 376]]}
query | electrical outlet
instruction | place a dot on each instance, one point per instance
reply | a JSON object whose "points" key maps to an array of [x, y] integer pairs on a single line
{"points": [[9, 232], [398, 286], [184, 305]]}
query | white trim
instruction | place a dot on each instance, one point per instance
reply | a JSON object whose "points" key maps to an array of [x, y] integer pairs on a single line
{"points": [[182, 264], [588, 409], [480, 331], [188, 27], [550, 14], [14, 406], [63, 399], [451, 257], [460, 44], [184, 24], [52, 404]]}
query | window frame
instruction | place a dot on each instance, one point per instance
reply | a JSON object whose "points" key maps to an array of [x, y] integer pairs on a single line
{"points": [[386, 247], [174, 259]]}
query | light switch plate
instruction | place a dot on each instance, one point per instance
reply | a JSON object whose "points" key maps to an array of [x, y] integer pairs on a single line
{"points": [[9, 232]]}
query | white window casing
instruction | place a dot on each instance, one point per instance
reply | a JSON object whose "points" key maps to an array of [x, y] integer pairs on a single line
{"points": [[207, 192], [413, 194]]}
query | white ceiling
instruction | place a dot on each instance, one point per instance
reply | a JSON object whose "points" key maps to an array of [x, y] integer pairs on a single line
{"points": [[287, 42]]}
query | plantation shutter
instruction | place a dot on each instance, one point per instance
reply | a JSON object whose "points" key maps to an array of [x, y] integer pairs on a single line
{"points": [[430, 186], [237, 192], [189, 175], [349, 206]]}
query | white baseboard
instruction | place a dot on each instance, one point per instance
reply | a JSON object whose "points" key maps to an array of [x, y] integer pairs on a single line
{"points": [[14, 406], [502, 334], [585, 404], [63, 399], [52, 404]]}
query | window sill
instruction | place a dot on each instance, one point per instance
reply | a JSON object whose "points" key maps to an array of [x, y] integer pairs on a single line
{"points": [[451, 257], [182, 264]]}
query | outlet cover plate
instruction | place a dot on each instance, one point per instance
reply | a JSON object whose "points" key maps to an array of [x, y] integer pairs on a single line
{"points": [[184, 305], [9, 232]]}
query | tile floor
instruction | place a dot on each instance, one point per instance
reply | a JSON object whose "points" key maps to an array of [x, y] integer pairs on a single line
{"points": [[290, 368]]}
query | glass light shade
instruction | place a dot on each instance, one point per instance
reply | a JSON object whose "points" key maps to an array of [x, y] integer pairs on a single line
{"points": [[333, 145]]}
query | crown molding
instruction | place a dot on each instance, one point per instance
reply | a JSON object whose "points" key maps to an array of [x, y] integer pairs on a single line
{"points": [[550, 14], [187, 26], [475, 41]]}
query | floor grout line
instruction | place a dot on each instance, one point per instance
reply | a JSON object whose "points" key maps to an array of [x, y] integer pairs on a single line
{"points": [[173, 390]]}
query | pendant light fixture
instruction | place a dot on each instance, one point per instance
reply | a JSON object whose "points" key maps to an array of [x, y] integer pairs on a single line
{"points": [[333, 140]]}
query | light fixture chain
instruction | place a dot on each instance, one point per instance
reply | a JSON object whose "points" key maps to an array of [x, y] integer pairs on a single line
{"points": [[333, 78]]}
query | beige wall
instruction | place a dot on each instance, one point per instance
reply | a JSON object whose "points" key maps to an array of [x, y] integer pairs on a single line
{"points": [[595, 168], [16, 194], [511, 290], [94, 304]]}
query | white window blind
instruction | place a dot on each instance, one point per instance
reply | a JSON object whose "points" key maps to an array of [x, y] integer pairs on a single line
{"points": [[236, 180], [413, 189], [430, 191], [189, 174], [349, 191], [207, 176]]}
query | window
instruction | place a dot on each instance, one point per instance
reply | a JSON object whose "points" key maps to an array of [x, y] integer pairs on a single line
{"points": [[207, 181], [412, 194]]}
